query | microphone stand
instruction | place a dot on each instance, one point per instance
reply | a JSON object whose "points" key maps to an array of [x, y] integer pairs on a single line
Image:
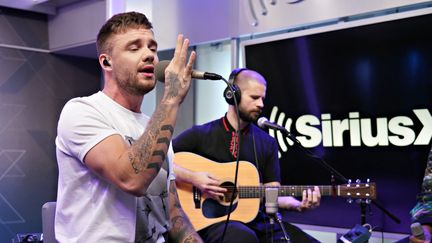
{"points": [[271, 208], [234, 191], [334, 172]]}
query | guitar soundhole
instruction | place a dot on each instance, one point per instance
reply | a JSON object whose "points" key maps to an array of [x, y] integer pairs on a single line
{"points": [[217, 208], [213, 209], [226, 199]]}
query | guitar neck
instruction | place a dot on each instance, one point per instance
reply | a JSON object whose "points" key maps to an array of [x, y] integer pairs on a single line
{"points": [[295, 191]]}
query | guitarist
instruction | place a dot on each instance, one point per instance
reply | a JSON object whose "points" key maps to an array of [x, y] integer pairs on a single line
{"points": [[217, 141]]}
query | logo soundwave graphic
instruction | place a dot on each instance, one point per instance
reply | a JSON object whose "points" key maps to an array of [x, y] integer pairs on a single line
{"points": [[281, 139]]}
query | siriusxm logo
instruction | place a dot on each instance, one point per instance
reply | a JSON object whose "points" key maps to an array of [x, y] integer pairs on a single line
{"points": [[370, 132]]}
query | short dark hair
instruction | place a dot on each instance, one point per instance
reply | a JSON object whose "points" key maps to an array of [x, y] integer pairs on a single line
{"points": [[120, 23]]}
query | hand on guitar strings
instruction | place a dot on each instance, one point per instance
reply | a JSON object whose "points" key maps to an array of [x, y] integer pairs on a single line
{"points": [[208, 184], [310, 199]]}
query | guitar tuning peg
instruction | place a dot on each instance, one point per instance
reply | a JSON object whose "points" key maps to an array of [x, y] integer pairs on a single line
{"points": [[349, 200], [368, 201], [367, 180], [349, 182], [358, 181]]}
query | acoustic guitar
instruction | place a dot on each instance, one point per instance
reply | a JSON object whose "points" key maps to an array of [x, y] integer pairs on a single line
{"points": [[203, 211]]}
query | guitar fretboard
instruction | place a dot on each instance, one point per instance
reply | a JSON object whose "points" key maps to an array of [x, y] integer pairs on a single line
{"points": [[295, 191]]}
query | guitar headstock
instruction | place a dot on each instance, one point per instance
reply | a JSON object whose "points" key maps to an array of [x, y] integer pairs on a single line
{"points": [[358, 190]]}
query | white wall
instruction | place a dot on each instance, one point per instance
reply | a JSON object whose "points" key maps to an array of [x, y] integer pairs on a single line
{"points": [[206, 21], [203, 21], [209, 102], [76, 24]]}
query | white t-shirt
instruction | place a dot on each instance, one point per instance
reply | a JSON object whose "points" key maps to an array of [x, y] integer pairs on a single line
{"points": [[89, 208]]}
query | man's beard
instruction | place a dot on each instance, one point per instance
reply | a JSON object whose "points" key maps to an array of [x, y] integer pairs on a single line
{"points": [[248, 117], [131, 85]]}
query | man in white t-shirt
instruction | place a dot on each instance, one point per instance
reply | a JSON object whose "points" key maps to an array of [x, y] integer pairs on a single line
{"points": [[116, 182]]}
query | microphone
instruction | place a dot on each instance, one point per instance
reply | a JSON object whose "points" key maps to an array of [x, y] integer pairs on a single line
{"points": [[271, 200], [161, 66], [417, 231], [263, 122]]}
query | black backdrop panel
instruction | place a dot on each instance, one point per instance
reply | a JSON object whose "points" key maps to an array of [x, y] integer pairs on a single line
{"points": [[379, 74]]}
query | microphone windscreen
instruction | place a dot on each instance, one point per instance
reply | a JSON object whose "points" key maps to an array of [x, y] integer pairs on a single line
{"points": [[261, 122], [160, 70]]}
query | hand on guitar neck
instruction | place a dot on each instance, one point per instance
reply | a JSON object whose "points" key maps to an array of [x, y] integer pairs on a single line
{"points": [[310, 199]]}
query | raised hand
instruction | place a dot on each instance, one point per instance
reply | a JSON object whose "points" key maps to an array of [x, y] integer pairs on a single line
{"points": [[178, 73]]}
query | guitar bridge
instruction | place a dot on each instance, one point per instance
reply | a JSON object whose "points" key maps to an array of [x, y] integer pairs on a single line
{"points": [[196, 197]]}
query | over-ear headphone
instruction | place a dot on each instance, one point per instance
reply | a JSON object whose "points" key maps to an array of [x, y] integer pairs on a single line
{"points": [[106, 62], [235, 93]]}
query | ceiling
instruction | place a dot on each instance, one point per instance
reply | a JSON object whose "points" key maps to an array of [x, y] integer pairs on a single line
{"points": [[39, 6]]}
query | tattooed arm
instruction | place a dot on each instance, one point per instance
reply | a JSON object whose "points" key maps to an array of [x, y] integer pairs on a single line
{"points": [[133, 168], [181, 228]]}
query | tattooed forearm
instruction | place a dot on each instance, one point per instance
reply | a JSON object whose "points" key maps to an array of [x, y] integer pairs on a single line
{"points": [[141, 155], [181, 230], [163, 140], [159, 153], [177, 225], [138, 157], [173, 191], [168, 128], [137, 167], [190, 239]]}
